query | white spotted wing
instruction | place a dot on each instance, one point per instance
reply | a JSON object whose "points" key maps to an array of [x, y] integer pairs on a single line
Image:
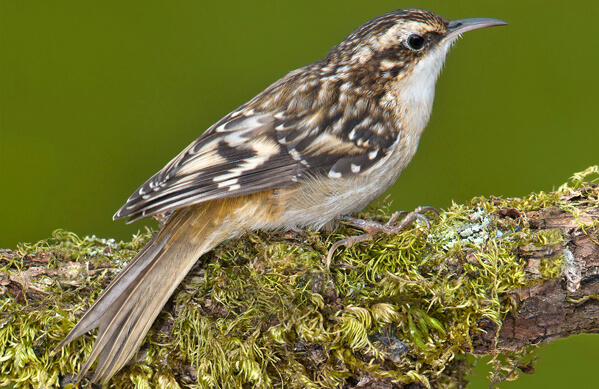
{"points": [[250, 150]]}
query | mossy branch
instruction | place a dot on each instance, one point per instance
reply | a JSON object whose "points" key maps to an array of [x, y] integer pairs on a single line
{"points": [[491, 277]]}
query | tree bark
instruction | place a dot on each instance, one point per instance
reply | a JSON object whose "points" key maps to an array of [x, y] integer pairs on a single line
{"points": [[559, 307]]}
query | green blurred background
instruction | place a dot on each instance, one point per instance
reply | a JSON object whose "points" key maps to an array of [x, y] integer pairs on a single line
{"points": [[95, 97]]}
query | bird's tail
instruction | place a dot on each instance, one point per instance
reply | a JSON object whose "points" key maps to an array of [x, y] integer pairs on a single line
{"points": [[130, 304]]}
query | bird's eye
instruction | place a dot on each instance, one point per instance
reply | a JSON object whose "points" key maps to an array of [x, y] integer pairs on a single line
{"points": [[415, 42]]}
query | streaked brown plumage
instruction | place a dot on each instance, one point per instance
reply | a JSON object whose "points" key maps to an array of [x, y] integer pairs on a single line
{"points": [[320, 143]]}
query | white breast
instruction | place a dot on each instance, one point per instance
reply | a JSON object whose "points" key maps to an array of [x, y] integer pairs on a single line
{"points": [[415, 93]]}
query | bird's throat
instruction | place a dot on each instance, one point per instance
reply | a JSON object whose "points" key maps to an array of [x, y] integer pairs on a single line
{"points": [[415, 91]]}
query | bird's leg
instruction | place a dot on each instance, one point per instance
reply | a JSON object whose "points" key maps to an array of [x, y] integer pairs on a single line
{"points": [[372, 228]]}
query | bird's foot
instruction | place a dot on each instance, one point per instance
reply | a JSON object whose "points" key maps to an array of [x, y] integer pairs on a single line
{"points": [[372, 228]]}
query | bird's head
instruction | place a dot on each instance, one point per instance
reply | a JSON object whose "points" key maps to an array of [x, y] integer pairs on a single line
{"points": [[395, 60], [400, 43]]}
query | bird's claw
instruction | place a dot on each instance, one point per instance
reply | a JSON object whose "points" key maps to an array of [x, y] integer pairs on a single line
{"points": [[372, 228]]}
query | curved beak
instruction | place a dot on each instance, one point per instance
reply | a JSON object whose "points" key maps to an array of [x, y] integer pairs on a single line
{"points": [[457, 27]]}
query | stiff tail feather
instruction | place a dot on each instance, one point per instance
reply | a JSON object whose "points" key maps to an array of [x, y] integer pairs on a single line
{"points": [[126, 310]]}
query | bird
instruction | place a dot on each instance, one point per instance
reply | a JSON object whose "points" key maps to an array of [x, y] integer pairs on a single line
{"points": [[313, 148]]}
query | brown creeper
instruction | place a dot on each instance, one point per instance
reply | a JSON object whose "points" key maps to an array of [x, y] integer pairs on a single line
{"points": [[319, 144]]}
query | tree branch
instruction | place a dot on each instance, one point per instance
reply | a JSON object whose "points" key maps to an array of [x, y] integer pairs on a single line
{"points": [[491, 277], [559, 307]]}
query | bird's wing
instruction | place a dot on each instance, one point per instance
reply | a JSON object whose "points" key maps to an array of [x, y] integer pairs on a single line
{"points": [[252, 150], [236, 156]]}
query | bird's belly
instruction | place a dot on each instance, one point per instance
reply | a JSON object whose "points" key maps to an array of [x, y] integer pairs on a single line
{"points": [[317, 208], [318, 201]]}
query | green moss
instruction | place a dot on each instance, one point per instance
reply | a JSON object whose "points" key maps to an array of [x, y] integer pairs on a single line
{"points": [[263, 311], [36, 311]]}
